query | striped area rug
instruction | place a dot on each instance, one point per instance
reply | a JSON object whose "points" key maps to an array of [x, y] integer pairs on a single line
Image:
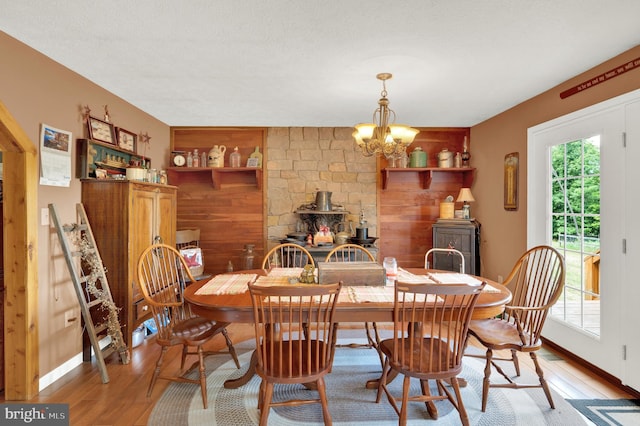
{"points": [[608, 412], [350, 403]]}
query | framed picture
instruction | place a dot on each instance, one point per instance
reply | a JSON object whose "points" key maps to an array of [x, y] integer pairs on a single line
{"points": [[253, 162], [101, 131], [126, 139], [511, 181]]}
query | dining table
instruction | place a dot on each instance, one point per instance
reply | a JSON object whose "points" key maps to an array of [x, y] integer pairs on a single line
{"points": [[225, 298]]}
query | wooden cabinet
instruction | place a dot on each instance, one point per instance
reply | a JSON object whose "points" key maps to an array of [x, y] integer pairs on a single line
{"points": [[126, 217], [462, 235]]}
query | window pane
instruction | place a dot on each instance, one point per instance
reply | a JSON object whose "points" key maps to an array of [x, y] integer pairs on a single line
{"points": [[558, 197], [557, 161], [574, 159], [575, 219], [592, 194]]}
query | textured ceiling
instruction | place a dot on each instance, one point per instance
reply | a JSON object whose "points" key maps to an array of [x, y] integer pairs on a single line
{"points": [[313, 63]]}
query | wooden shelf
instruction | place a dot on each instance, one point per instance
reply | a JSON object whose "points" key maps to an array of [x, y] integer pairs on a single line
{"points": [[219, 175], [426, 173], [94, 155]]}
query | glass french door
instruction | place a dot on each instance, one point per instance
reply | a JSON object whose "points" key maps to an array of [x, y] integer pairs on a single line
{"points": [[576, 192]]}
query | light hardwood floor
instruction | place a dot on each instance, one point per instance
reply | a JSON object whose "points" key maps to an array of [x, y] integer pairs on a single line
{"points": [[123, 400]]}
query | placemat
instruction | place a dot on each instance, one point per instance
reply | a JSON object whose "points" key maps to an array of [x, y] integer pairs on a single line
{"points": [[227, 284]]}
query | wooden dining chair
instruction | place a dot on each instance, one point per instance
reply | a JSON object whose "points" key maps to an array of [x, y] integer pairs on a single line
{"points": [[162, 273], [536, 282], [350, 253], [295, 337], [287, 255], [188, 244], [356, 253], [429, 337], [449, 252]]}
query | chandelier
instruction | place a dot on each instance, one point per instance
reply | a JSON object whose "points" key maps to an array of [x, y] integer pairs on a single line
{"points": [[383, 136]]}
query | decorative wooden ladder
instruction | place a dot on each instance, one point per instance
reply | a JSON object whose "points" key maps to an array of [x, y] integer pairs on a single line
{"points": [[91, 285]]}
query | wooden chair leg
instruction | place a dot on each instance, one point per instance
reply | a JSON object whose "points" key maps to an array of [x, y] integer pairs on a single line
{"points": [[322, 390], [185, 350], [485, 381], [156, 372], [232, 350], [543, 382], [405, 401], [431, 406], [203, 377], [266, 403], [516, 363], [464, 418], [383, 380]]}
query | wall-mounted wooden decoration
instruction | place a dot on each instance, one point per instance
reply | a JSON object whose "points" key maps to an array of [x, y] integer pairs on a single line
{"points": [[511, 181]]}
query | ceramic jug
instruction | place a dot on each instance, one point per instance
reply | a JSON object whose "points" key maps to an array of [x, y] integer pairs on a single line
{"points": [[216, 156]]}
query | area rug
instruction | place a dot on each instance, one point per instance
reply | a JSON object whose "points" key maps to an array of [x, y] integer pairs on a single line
{"points": [[607, 412], [350, 403]]}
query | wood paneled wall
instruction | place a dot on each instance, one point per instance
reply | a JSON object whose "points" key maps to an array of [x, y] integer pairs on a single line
{"points": [[406, 211], [234, 215], [228, 217]]}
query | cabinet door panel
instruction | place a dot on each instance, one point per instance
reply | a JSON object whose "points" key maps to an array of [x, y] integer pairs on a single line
{"points": [[142, 230], [458, 240], [166, 218]]}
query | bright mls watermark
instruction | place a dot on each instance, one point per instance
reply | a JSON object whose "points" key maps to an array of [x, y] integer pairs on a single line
{"points": [[34, 414]]}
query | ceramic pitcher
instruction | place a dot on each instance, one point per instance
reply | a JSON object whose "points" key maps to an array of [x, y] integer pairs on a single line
{"points": [[216, 156]]}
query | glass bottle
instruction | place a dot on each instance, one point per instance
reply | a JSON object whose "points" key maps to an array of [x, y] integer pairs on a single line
{"points": [[229, 267], [391, 269], [257, 154], [203, 160], [190, 159], [234, 158], [466, 155], [403, 160], [248, 256], [196, 158]]}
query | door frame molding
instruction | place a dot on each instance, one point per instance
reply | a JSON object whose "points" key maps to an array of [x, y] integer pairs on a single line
{"points": [[20, 205]]}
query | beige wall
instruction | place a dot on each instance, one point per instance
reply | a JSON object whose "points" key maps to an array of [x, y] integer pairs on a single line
{"points": [[38, 90], [504, 232]]}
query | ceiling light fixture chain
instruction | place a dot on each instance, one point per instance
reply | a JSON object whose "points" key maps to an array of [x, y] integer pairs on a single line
{"points": [[384, 136]]}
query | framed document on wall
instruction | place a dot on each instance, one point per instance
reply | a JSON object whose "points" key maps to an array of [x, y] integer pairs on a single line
{"points": [[511, 181]]}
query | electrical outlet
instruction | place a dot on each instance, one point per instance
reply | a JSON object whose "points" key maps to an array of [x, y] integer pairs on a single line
{"points": [[70, 317], [44, 217]]}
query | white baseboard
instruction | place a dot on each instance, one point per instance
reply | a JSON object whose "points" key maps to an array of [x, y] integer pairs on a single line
{"points": [[66, 367]]}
